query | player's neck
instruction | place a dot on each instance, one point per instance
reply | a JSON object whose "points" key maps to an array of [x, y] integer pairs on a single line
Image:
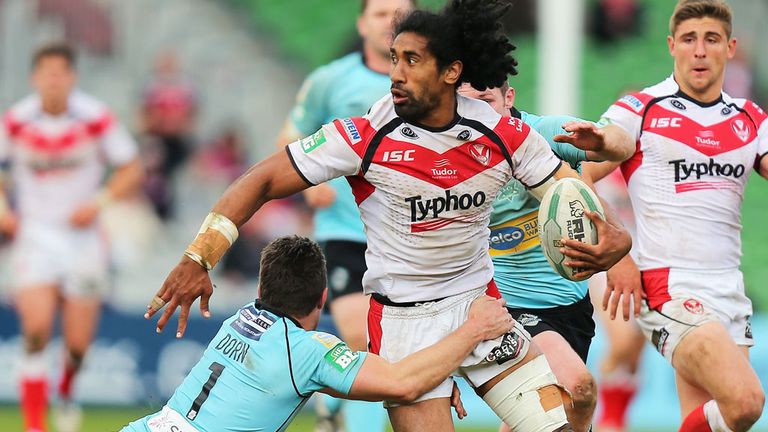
{"points": [[709, 95], [443, 115], [375, 61], [54, 107]]}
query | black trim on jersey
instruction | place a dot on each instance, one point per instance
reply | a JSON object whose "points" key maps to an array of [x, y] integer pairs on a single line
{"points": [[493, 136], [296, 167], [681, 94], [370, 151], [547, 177], [514, 112], [292, 414], [290, 362], [759, 160]]}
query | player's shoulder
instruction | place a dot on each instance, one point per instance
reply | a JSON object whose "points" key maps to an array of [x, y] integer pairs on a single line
{"points": [[86, 107], [637, 102], [753, 110], [381, 113], [320, 343], [23, 110], [330, 73]]}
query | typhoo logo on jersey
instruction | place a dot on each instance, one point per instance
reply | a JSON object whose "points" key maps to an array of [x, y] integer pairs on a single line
{"points": [[434, 207], [684, 171]]}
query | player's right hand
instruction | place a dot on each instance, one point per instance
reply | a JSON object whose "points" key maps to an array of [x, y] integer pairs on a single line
{"points": [[9, 224], [320, 196], [624, 283], [186, 282], [491, 316]]}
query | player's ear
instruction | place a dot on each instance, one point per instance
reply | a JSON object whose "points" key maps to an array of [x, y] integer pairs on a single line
{"points": [[509, 98], [452, 72], [323, 298]]}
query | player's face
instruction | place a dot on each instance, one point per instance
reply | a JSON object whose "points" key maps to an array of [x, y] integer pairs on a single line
{"points": [[501, 103], [701, 49], [418, 86], [375, 24], [53, 78]]}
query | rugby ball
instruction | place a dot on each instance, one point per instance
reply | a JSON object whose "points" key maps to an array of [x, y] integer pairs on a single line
{"points": [[561, 215]]}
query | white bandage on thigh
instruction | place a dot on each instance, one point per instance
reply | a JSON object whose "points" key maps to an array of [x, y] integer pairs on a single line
{"points": [[529, 399]]}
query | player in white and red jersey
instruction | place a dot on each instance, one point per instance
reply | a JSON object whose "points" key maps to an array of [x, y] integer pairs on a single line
{"points": [[696, 147], [58, 144], [425, 166]]}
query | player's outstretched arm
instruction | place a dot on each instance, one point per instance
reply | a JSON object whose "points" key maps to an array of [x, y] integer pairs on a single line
{"points": [[624, 283], [606, 143], [274, 177], [422, 371]]}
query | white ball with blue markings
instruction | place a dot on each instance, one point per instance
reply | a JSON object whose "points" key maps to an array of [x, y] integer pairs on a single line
{"points": [[561, 215]]}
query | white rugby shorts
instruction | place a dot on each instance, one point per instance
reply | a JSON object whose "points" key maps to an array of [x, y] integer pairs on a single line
{"points": [[76, 260], [394, 332], [678, 301]]}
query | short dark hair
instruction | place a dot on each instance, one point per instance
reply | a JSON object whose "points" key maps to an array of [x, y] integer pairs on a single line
{"points": [[364, 4], [469, 31], [292, 275], [55, 49], [690, 9]]}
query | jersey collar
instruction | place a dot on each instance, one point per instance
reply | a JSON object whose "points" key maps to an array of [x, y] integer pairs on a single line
{"points": [[514, 112], [258, 304]]}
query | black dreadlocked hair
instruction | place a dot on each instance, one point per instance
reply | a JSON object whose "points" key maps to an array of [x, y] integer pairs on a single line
{"points": [[469, 31]]}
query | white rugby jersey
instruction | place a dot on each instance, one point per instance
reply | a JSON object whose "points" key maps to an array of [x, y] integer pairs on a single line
{"points": [[425, 194], [686, 179], [59, 162]]}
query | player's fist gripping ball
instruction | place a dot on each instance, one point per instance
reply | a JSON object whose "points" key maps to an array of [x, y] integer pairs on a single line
{"points": [[561, 215]]}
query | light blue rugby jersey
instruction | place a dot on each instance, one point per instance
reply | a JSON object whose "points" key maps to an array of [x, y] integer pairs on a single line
{"points": [[522, 273], [254, 381], [342, 88]]}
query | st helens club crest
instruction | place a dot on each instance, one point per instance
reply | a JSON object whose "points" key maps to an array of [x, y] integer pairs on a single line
{"points": [[741, 129], [481, 153], [693, 306]]}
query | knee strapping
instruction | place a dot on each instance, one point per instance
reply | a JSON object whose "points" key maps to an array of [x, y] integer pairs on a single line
{"points": [[529, 399]]}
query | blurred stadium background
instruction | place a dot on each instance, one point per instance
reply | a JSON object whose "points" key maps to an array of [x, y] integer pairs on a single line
{"points": [[240, 63]]}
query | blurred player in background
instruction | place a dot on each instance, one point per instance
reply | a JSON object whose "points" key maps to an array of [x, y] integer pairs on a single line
{"points": [[696, 148], [267, 359], [557, 312], [58, 145], [346, 87], [618, 381]]}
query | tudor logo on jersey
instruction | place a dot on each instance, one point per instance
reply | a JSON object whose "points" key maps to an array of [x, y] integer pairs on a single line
{"points": [[481, 153]]}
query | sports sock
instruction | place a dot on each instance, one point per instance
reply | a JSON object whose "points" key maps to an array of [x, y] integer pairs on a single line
{"points": [[34, 392], [696, 421], [615, 392], [65, 382], [362, 416]]}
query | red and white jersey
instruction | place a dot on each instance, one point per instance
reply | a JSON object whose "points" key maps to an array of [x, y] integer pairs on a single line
{"points": [[59, 162], [687, 176], [425, 194]]}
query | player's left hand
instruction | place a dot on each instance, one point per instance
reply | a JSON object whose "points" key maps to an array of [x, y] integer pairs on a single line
{"points": [[613, 243], [85, 215], [186, 282], [456, 403], [583, 135]]}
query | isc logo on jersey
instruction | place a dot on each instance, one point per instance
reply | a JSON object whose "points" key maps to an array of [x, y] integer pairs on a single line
{"points": [[561, 215], [666, 122]]}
